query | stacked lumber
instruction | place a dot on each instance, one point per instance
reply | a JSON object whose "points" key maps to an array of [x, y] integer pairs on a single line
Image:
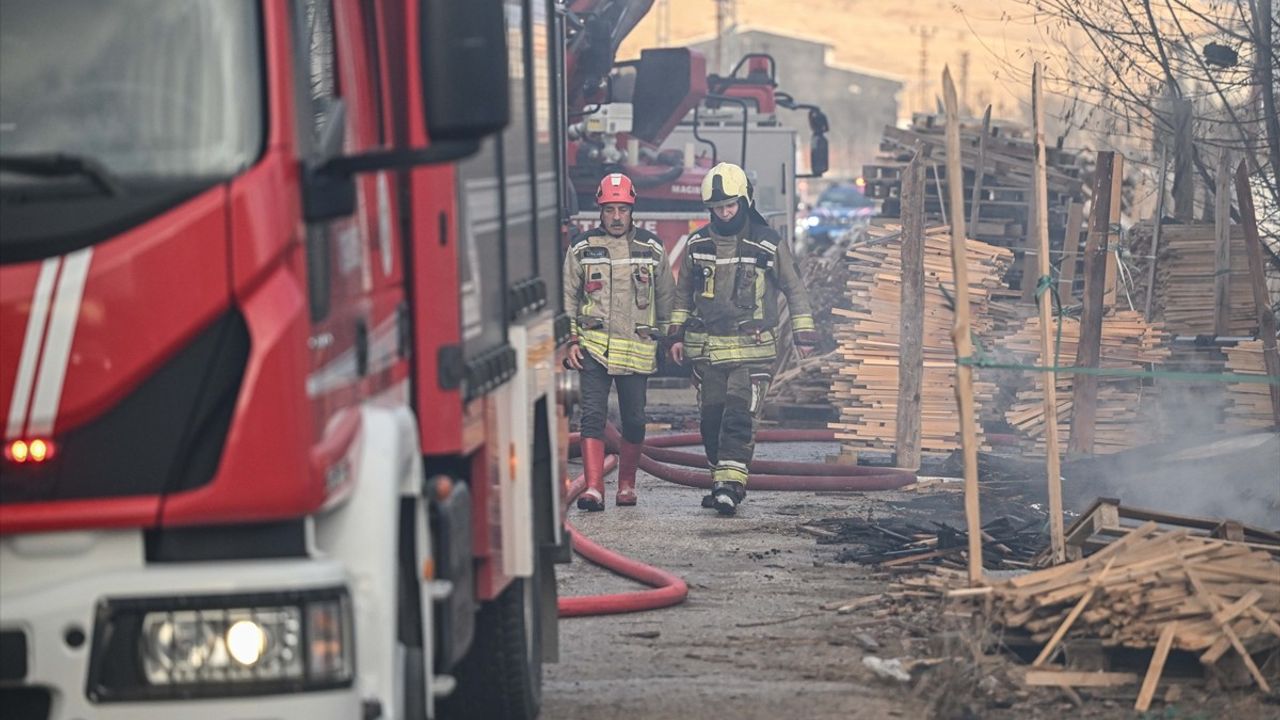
{"points": [[1005, 175], [864, 381], [803, 383], [1184, 291], [1128, 591], [1124, 404], [1248, 406], [1150, 589]]}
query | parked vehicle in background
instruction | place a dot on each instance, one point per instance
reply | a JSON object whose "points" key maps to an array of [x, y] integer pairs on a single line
{"points": [[840, 208]]}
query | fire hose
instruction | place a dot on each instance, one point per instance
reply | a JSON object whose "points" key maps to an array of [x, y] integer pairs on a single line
{"points": [[660, 460]]}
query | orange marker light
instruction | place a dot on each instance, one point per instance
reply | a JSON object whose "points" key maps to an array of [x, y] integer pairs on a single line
{"points": [[34, 451]]}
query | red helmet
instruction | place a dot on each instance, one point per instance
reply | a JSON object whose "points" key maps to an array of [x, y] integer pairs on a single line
{"points": [[616, 188]]}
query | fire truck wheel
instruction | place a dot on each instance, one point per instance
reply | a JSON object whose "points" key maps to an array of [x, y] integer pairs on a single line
{"points": [[501, 677]]}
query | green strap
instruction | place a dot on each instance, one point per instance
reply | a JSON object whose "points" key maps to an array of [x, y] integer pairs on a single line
{"points": [[1046, 283], [1226, 377]]}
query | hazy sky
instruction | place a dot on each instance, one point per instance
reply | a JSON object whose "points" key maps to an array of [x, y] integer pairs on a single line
{"points": [[886, 37]]}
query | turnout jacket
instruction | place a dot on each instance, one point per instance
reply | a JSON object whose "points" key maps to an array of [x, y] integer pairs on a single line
{"points": [[618, 294], [727, 295]]}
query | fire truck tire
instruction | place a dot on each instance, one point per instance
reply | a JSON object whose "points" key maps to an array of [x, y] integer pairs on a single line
{"points": [[501, 677]]}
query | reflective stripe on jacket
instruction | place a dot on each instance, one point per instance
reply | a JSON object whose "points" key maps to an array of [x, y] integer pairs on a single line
{"points": [[618, 295], [727, 295]]}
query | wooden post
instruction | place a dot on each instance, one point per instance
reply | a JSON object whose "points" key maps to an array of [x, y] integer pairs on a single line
{"points": [[1266, 318], [1157, 225], [1040, 198], [911, 316], [937, 186], [979, 170], [1112, 289], [1084, 397], [1222, 247], [1071, 251], [1029, 249], [1030, 241], [960, 333]]}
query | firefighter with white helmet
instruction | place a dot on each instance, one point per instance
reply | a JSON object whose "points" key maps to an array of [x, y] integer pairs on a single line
{"points": [[618, 293], [726, 324]]}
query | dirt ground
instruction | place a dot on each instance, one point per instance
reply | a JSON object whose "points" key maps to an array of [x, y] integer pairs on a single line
{"points": [[758, 636]]}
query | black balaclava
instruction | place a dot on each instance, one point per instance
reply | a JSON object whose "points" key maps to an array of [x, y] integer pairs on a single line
{"points": [[734, 226]]}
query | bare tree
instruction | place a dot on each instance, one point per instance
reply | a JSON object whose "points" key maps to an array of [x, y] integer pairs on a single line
{"points": [[1131, 69]]}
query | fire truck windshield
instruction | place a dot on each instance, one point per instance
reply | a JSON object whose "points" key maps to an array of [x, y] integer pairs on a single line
{"points": [[138, 89]]}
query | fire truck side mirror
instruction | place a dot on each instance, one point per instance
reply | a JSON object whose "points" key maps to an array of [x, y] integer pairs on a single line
{"points": [[465, 86], [465, 81], [819, 157]]}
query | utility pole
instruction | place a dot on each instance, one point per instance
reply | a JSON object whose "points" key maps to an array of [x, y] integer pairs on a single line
{"points": [[926, 34], [964, 83], [664, 23], [726, 20]]}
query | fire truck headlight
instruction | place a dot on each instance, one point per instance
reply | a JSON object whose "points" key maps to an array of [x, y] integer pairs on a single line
{"points": [[222, 645], [193, 647], [246, 640]]}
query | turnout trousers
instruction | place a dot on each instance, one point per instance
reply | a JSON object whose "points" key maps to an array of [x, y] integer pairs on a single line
{"points": [[730, 397], [594, 382]]}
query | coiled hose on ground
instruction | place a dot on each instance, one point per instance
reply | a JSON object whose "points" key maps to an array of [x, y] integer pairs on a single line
{"points": [[690, 469]]}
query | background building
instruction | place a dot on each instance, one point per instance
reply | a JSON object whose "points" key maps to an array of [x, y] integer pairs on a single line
{"points": [[859, 103]]}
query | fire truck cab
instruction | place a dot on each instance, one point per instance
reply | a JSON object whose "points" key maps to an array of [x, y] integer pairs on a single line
{"points": [[279, 358]]}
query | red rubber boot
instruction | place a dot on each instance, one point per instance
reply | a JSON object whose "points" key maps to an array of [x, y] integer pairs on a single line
{"points": [[593, 467], [628, 458]]}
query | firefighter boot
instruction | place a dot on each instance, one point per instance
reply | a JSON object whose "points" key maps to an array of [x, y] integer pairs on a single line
{"points": [[593, 467], [727, 496], [628, 458]]}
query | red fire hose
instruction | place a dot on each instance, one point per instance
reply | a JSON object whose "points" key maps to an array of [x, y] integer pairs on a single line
{"points": [[669, 589]]}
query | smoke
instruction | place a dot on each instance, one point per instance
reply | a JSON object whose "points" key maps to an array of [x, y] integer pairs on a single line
{"points": [[1202, 468]]}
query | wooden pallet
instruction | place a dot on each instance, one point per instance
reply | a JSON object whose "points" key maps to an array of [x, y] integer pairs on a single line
{"points": [[1106, 520]]}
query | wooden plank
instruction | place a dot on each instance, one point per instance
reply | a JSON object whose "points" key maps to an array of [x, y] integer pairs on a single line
{"points": [[911, 317], [1266, 318], [1104, 515], [1191, 521], [1222, 248], [1071, 252], [1061, 632], [960, 332], [1039, 185], [1215, 606], [1076, 678], [1232, 611], [1156, 668], [1084, 399], [1111, 293], [1266, 621], [937, 185]]}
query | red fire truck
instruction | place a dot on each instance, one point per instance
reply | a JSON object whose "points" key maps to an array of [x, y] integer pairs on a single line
{"points": [[665, 121], [278, 357]]}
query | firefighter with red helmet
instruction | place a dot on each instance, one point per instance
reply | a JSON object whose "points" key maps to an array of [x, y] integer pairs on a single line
{"points": [[617, 292], [726, 320]]}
